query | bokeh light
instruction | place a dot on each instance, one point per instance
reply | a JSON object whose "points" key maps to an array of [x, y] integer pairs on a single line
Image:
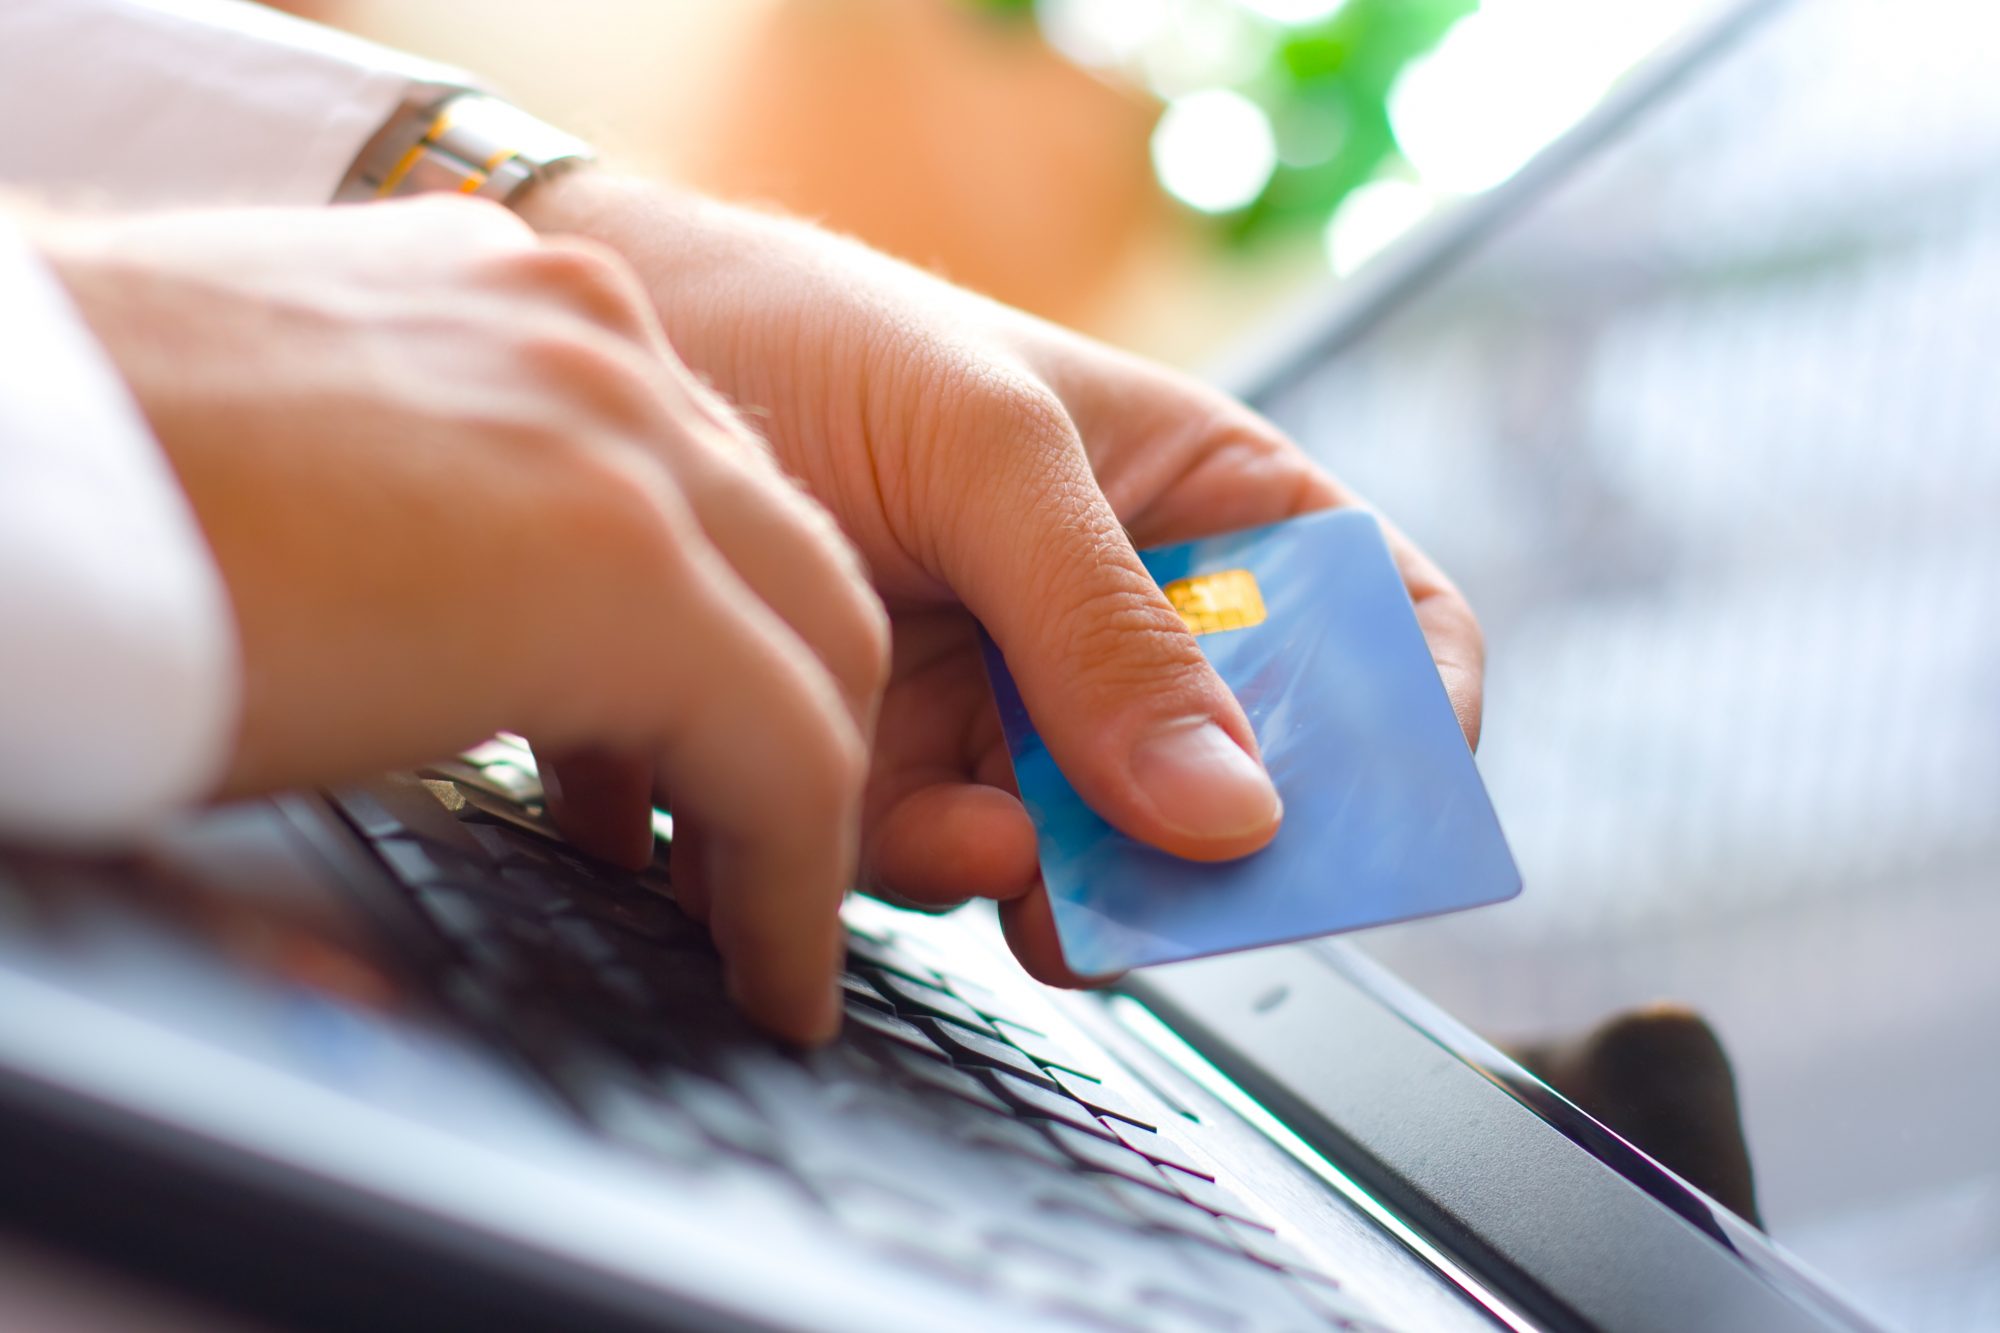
{"points": [[1294, 11], [1214, 150], [1372, 218], [1101, 34], [1358, 116], [1514, 75]]}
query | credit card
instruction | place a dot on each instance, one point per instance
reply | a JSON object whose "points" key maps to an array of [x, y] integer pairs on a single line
{"points": [[1386, 817]]}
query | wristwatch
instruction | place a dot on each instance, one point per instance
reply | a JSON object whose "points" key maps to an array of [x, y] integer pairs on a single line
{"points": [[460, 141]]}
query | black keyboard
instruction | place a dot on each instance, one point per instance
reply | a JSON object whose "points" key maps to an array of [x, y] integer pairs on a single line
{"points": [[943, 1128]]}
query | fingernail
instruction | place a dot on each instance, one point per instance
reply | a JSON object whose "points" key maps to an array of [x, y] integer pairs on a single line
{"points": [[1202, 783]]}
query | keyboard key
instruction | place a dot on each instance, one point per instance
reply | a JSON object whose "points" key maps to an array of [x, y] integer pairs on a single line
{"points": [[974, 1048], [460, 916], [1268, 1301], [1099, 1098], [586, 940], [1209, 1195], [927, 1254], [1094, 1310], [1081, 1197], [1043, 1050], [875, 1207], [724, 1114], [860, 991], [886, 958], [1267, 1247], [1015, 1136], [1157, 1147], [990, 1003], [627, 986], [644, 915], [1168, 1212], [474, 1001], [1346, 1313], [499, 961], [1190, 1310], [1036, 1260], [415, 862], [936, 1074], [368, 814], [896, 1029], [1106, 1155], [914, 998], [1037, 1101], [502, 845], [648, 1124]]}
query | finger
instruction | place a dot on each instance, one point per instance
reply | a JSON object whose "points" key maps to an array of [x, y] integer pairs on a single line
{"points": [[1029, 924], [951, 840], [792, 555], [932, 837], [603, 803], [778, 540], [687, 868], [759, 752], [1129, 707]]}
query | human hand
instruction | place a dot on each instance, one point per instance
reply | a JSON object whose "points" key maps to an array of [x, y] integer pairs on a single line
{"points": [[455, 482], [990, 465]]}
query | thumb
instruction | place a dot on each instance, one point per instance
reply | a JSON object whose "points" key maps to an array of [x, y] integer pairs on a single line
{"points": [[1128, 705]]}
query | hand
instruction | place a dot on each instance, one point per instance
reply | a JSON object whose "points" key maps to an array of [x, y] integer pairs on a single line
{"points": [[988, 464], [455, 483]]}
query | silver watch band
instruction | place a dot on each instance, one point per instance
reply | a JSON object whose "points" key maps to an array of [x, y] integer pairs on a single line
{"points": [[460, 142]]}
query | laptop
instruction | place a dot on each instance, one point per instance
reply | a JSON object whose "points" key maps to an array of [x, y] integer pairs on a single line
{"points": [[395, 1056]]}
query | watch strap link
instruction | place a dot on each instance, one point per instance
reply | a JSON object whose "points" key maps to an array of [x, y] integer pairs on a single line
{"points": [[466, 143]]}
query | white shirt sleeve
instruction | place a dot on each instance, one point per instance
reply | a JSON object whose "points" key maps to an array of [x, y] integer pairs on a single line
{"points": [[119, 690], [132, 104], [118, 671]]}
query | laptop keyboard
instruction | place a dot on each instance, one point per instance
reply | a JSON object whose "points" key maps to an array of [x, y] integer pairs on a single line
{"points": [[943, 1129]]}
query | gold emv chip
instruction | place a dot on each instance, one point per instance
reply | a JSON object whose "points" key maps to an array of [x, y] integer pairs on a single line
{"points": [[1211, 603]]}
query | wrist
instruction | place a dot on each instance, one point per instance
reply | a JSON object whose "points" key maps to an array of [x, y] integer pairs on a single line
{"points": [[693, 254]]}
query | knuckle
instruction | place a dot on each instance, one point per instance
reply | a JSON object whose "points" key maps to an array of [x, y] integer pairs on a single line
{"points": [[589, 279], [859, 655], [1004, 405], [591, 374], [1124, 638], [873, 649], [617, 511], [852, 638]]}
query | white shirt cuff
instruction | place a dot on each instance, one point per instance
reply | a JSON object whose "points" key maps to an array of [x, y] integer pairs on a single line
{"points": [[136, 104], [118, 677]]}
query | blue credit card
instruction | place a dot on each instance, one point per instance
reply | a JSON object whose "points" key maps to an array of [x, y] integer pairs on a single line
{"points": [[1385, 814]]}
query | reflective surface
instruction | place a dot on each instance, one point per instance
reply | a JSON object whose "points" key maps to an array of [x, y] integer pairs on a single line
{"points": [[1712, 439]]}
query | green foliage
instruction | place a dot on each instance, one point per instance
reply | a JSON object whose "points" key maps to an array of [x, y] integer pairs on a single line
{"points": [[1325, 88]]}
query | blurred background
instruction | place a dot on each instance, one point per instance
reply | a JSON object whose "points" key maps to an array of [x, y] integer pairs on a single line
{"points": [[1709, 437], [1158, 172]]}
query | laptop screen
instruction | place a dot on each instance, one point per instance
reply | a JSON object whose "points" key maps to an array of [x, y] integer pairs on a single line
{"points": [[1708, 433]]}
